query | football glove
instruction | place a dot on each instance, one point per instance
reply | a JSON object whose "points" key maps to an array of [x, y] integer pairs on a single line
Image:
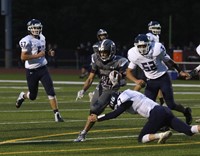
{"points": [[80, 94], [193, 73]]}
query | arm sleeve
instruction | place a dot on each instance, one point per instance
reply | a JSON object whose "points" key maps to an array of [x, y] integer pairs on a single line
{"points": [[112, 115], [120, 109]]}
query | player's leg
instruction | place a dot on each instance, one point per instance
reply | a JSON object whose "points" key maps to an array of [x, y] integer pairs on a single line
{"points": [[49, 88], [168, 95], [32, 82], [97, 106], [160, 97], [155, 122]]}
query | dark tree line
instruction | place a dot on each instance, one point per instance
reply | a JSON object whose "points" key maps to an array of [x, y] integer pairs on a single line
{"points": [[68, 23]]}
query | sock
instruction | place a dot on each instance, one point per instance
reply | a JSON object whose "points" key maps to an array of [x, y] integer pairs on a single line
{"points": [[83, 132], [55, 111], [157, 135], [194, 129], [161, 101], [145, 138]]}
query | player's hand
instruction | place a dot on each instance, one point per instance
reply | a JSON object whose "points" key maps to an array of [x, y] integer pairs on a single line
{"points": [[141, 83], [51, 52], [80, 94], [192, 74], [92, 118], [186, 75]]}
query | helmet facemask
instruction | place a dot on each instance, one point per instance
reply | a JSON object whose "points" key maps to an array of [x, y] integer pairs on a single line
{"points": [[104, 55], [34, 27], [106, 50], [102, 34], [142, 43], [143, 49], [156, 29]]}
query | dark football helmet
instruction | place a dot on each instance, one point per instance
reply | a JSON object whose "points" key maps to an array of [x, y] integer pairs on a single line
{"points": [[154, 27], [34, 27], [113, 99], [102, 32], [106, 50], [142, 43]]}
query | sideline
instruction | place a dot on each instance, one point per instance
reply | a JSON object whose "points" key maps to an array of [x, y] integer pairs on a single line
{"points": [[81, 83]]}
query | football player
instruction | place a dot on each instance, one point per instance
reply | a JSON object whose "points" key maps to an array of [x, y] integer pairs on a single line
{"points": [[196, 70], [33, 53], [154, 30], [152, 58], [158, 116], [107, 64], [101, 35]]}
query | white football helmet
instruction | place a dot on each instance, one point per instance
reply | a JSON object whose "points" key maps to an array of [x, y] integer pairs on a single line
{"points": [[154, 27], [142, 43], [34, 27]]}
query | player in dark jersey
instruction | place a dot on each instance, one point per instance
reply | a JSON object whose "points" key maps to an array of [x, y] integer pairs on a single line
{"points": [[104, 61]]}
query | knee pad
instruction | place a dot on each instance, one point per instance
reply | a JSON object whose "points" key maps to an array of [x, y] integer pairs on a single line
{"points": [[50, 97], [32, 96]]}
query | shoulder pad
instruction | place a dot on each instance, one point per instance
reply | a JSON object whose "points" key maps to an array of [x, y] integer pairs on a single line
{"points": [[158, 48], [42, 37], [24, 42], [133, 54]]}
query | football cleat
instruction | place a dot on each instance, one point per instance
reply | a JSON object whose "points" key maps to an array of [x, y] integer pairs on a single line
{"points": [[197, 120], [188, 115], [58, 117], [164, 136], [20, 100], [81, 137]]}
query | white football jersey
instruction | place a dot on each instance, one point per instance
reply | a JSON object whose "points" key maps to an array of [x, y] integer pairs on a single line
{"points": [[32, 45], [198, 52], [152, 37], [153, 63], [141, 104]]}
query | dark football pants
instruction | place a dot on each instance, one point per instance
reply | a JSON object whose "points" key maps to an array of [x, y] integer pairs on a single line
{"points": [[100, 100], [162, 116], [164, 83], [33, 77]]}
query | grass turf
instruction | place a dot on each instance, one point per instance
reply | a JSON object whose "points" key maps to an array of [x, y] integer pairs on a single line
{"points": [[31, 130]]}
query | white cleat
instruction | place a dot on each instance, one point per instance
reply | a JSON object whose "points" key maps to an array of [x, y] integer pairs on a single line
{"points": [[20, 100], [164, 136], [58, 117], [81, 137]]}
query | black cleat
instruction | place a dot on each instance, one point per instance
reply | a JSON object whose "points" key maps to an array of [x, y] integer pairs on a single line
{"points": [[188, 115]]}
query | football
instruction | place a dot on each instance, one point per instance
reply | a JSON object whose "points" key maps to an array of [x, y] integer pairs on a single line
{"points": [[114, 77]]}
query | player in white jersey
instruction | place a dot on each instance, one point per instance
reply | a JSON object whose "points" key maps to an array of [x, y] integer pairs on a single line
{"points": [[196, 70], [33, 53], [152, 58], [158, 116], [154, 30]]}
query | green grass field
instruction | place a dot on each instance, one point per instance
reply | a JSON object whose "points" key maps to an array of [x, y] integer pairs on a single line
{"points": [[31, 130]]}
